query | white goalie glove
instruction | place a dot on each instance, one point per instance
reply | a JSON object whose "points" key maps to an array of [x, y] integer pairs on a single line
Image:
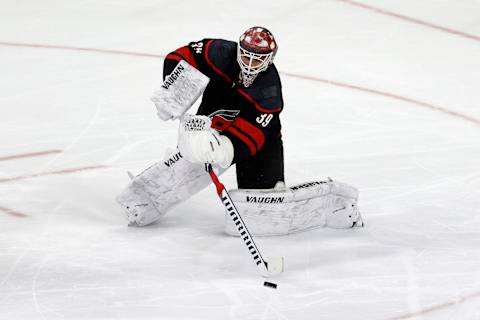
{"points": [[200, 143], [179, 91]]}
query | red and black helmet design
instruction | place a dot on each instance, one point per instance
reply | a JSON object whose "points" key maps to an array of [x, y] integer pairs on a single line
{"points": [[258, 40], [256, 49]]}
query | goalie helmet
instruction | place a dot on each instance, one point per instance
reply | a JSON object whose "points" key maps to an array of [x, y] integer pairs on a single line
{"points": [[256, 49]]}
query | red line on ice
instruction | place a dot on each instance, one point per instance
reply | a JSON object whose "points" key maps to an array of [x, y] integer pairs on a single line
{"points": [[51, 46], [388, 95], [410, 19], [28, 155], [13, 212], [436, 307], [49, 173]]}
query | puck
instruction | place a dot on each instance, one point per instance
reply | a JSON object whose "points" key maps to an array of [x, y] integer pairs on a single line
{"points": [[270, 285]]}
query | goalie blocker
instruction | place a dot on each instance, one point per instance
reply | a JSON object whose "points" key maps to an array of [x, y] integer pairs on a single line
{"points": [[181, 88]]}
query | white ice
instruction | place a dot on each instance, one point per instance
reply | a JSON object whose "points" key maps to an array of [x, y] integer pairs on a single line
{"points": [[417, 167]]}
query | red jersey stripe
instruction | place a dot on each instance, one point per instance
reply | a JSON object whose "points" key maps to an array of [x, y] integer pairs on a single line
{"points": [[249, 98], [250, 130], [173, 56], [185, 54], [243, 138]]}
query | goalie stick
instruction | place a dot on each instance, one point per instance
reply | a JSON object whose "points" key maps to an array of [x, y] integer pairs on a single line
{"points": [[267, 269]]}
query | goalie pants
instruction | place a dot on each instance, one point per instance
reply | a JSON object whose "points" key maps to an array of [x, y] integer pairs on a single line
{"points": [[264, 169]]}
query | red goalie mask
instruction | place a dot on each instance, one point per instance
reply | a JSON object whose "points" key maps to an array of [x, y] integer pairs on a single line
{"points": [[256, 50]]}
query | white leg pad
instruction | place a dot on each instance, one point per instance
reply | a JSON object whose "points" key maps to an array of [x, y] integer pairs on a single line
{"points": [[166, 183], [317, 204]]}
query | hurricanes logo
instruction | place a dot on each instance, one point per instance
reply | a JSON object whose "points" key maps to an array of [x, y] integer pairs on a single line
{"points": [[227, 115]]}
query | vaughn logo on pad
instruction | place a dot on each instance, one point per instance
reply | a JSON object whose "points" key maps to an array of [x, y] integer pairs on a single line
{"points": [[173, 159], [308, 184], [173, 76], [256, 199]]}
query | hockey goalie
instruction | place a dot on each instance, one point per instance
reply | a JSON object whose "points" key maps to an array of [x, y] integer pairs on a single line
{"points": [[237, 122]]}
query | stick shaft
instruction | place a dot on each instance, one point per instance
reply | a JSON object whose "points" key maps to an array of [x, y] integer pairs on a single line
{"points": [[239, 223]]}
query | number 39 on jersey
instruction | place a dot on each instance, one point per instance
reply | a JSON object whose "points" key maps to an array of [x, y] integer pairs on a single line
{"points": [[264, 119]]}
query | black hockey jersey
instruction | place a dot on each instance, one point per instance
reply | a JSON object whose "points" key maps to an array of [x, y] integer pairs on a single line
{"points": [[248, 116]]}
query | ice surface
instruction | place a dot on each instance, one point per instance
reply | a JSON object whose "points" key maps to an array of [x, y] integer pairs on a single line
{"points": [[416, 165]]}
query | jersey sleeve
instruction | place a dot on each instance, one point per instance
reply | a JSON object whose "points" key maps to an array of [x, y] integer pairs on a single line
{"points": [[196, 53]]}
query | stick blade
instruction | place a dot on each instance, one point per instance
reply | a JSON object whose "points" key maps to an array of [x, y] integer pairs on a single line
{"points": [[275, 266]]}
